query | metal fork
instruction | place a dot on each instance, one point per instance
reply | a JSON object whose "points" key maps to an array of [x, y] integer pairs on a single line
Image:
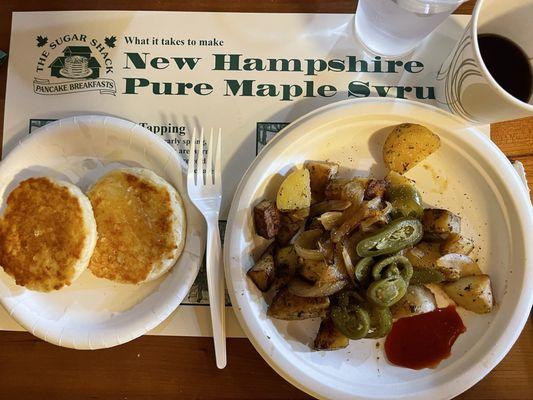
{"points": [[206, 194]]}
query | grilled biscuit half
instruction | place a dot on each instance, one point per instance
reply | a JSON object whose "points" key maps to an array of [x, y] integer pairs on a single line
{"points": [[47, 234], [141, 226]]}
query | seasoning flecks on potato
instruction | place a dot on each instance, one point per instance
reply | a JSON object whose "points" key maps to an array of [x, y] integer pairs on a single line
{"points": [[263, 272], [407, 145], [295, 191]]}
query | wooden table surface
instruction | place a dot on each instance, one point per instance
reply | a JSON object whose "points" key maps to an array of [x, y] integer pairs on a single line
{"points": [[184, 368]]}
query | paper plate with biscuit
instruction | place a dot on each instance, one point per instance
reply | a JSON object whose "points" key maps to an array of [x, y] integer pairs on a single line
{"points": [[99, 242]]}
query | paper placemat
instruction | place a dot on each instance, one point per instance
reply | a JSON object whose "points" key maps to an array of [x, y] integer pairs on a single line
{"points": [[249, 74]]}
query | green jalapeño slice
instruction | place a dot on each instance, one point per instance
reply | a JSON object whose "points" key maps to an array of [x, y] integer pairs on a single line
{"points": [[399, 234]]}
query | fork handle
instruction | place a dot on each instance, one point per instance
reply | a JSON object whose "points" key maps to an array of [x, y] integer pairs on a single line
{"points": [[215, 283]]}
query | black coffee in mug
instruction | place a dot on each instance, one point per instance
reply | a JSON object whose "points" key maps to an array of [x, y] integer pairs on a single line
{"points": [[508, 64]]}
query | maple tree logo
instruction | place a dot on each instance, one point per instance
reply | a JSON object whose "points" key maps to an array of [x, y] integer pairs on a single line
{"points": [[73, 63]]}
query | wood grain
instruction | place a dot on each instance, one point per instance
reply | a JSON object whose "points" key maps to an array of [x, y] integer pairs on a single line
{"points": [[183, 368], [514, 138]]}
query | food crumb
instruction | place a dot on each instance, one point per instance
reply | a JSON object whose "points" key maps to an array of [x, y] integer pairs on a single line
{"points": [[138, 355]]}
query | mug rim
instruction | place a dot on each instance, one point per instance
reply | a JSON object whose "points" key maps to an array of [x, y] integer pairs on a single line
{"points": [[484, 70]]}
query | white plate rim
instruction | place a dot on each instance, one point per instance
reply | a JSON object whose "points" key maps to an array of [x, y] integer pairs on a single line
{"points": [[499, 350], [137, 327]]}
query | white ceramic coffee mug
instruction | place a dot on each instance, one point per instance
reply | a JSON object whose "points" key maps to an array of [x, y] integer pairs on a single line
{"points": [[466, 86]]}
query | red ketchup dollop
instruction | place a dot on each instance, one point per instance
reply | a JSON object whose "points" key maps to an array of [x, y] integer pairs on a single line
{"points": [[424, 340]]}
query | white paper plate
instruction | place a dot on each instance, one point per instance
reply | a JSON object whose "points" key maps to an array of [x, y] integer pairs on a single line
{"points": [[95, 313], [481, 186]]}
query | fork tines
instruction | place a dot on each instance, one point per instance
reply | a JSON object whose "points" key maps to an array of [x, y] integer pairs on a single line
{"points": [[196, 174]]}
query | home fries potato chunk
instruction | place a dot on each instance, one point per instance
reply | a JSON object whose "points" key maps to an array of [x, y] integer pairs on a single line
{"points": [[288, 306], [320, 174], [407, 145], [267, 219], [329, 337], [295, 191]]}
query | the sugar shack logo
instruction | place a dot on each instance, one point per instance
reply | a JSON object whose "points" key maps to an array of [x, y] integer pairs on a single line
{"points": [[74, 63]]}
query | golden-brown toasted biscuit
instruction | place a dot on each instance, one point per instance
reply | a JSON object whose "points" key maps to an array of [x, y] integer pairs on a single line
{"points": [[141, 226], [47, 234]]}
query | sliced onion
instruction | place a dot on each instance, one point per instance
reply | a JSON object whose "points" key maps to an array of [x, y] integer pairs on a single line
{"points": [[326, 247], [417, 300], [330, 219], [328, 205], [353, 216], [354, 191], [306, 245], [387, 209], [374, 204], [348, 264], [380, 217]]}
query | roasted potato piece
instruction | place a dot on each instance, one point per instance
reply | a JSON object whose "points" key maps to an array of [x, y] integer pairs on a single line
{"points": [[473, 293], [457, 244], [424, 255], [320, 173], [267, 219], [286, 256], [407, 145], [287, 230], [375, 188], [417, 300], [288, 306], [263, 272], [329, 337], [330, 281], [334, 189], [455, 266], [469, 267], [286, 264], [311, 269], [439, 224], [295, 191]]}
